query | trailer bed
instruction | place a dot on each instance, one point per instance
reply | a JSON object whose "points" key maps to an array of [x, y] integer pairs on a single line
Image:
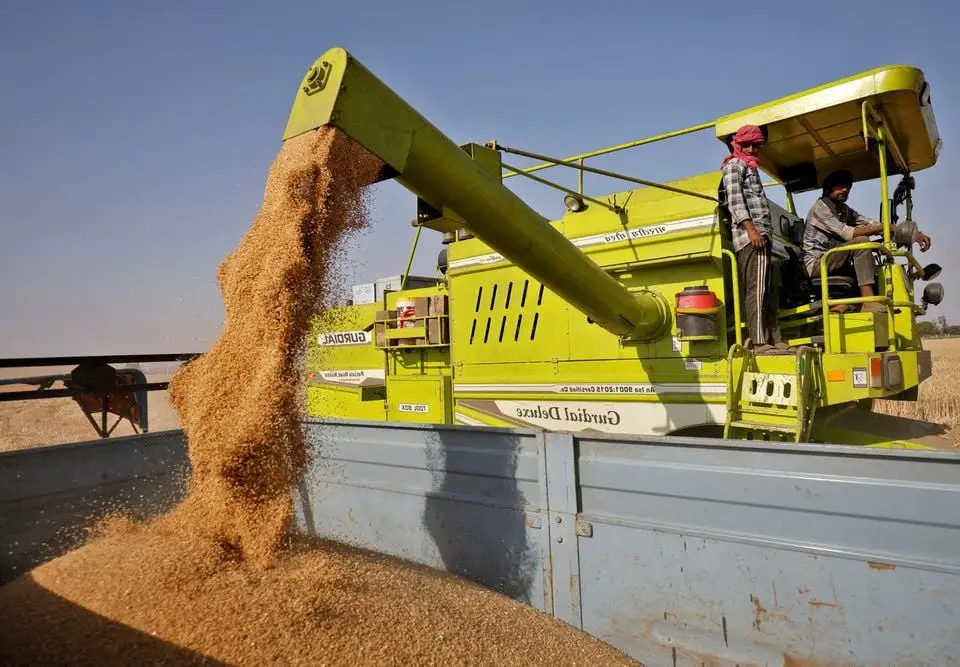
{"points": [[677, 551]]}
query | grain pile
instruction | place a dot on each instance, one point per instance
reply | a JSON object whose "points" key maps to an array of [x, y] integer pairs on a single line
{"points": [[220, 579]]}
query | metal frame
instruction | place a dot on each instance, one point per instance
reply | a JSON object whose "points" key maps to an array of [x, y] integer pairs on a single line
{"points": [[582, 168], [735, 278], [579, 160], [549, 162], [139, 388], [413, 251], [557, 186], [738, 553], [875, 128]]}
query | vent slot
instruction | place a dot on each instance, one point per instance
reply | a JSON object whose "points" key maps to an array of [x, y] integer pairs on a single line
{"points": [[493, 310]]}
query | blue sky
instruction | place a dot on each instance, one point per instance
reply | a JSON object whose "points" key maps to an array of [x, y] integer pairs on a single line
{"points": [[135, 137]]}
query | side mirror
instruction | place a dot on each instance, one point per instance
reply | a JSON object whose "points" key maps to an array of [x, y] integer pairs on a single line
{"points": [[933, 294], [931, 271]]}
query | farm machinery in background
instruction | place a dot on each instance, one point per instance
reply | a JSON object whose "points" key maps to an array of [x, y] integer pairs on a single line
{"points": [[100, 390], [625, 315]]}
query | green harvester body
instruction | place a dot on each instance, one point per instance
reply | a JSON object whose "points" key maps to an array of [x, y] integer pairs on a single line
{"points": [[578, 323]]}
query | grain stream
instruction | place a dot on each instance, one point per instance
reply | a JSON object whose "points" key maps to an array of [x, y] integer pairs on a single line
{"points": [[221, 579]]}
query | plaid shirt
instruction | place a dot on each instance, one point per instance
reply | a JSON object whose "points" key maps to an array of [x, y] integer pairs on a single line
{"points": [[745, 201], [828, 225]]}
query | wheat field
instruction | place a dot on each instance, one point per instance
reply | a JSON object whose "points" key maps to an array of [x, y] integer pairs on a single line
{"points": [[59, 420], [54, 421], [939, 397]]}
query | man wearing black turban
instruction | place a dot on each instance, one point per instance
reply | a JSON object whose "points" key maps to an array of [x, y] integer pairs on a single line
{"points": [[831, 223]]}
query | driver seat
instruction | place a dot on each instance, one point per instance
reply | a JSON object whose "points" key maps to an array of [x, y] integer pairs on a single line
{"points": [[808, 290]]}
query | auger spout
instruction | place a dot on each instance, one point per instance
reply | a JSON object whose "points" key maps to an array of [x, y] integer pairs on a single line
{"points": [[337, 90]]}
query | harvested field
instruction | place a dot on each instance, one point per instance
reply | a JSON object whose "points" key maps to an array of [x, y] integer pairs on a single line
{"points": [[58, 420], [55, 421], [939, 397]]}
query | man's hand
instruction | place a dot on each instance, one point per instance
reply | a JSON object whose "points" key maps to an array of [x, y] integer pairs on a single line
{"points": [[756, 238], [923, 241]]}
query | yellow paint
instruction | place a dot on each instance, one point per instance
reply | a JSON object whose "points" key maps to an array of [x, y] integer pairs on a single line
{"points": [[825, 123], [520, 292]]}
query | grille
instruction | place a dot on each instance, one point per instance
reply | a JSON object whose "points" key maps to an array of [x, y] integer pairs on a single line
{"points": [[506, 312]]}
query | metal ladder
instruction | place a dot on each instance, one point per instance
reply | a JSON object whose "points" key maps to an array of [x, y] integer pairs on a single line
{"points": [[764, 403]]}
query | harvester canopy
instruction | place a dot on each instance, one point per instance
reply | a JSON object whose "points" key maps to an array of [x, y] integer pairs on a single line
{"points": [[817, 131]]}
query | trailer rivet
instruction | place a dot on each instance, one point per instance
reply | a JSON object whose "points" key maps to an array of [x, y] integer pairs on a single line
{"points": [[557, 519], [559, 540]]}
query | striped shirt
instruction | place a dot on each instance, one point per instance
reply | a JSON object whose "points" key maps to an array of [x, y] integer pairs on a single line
{"points": [[746, 201], [828, 225]]}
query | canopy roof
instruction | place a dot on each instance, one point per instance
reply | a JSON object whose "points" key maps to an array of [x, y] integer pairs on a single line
{"points": [[817, 131]]}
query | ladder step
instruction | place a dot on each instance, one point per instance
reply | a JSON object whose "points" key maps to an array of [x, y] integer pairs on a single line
{"points": [[763, 426], [753, 408], [768, 394], [775, 388]]}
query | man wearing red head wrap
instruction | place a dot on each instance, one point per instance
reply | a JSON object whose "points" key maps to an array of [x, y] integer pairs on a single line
{"points": [[751, 230], [745, 142]]}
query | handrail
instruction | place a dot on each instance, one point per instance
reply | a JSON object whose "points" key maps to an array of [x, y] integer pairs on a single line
{"points": [[547, 163], [619, 147], [736, 292], [733, 391], [593, 170], [543, 181], [809, 385], [910, 258], [825, 292]]}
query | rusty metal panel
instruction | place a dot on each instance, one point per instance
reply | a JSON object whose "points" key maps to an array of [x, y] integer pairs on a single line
{"points": [[707, 553], [677, 551], [466, 500]]}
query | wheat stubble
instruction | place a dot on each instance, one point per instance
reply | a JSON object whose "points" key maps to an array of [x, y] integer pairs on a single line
{"points": [[220, 579]]}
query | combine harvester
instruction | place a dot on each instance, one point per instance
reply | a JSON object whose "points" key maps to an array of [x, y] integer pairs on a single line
{"points": [[523, 420], [625, 316]]}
